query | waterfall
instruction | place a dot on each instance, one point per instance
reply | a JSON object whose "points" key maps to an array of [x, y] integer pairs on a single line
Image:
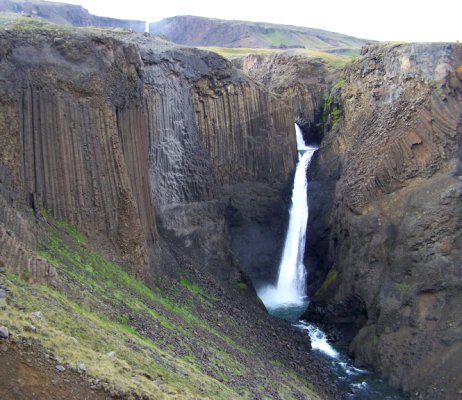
{"points": [[290, 289]]}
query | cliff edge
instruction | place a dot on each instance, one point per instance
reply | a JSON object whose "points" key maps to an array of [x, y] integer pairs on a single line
{"points": [[385, 230]]}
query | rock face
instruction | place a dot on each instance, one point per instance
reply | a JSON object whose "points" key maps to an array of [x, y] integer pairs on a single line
{"points": [[386, 226], [136, 142], [200, 31], [303, 81], [67, 14]]}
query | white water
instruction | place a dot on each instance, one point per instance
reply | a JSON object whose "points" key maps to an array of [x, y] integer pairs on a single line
{"points": [[287, 299], [318, 339], [290, 289]]}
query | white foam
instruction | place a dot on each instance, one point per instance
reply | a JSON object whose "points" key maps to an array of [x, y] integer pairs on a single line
{"points": [[319, 340]]}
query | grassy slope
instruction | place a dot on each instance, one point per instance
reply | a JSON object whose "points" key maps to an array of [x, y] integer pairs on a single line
{"points": [[166, 344], [335, 60]]}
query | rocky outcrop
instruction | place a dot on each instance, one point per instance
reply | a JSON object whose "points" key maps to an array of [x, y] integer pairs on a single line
{"points": [[200, 31], [385, 227], [302, 80], [67, 14], [138, 143]]}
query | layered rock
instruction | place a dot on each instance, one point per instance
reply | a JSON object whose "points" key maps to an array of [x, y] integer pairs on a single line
{"points": [[137, 142], [67, 14], [385, 230]]}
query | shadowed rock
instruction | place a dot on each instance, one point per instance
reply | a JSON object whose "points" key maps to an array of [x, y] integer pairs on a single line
{"points": [[386, 216]]}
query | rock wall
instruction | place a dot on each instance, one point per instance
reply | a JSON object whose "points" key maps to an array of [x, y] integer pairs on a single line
{"points": [[385, 230], [136, 142], [218, 134], [303, 81]]}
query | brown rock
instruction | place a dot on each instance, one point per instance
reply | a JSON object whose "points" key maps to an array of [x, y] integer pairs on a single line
{"points": [[387, 204]]}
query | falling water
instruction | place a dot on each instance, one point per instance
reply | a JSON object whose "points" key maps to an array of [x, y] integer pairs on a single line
{"points": [[288, 299], [290, 289]]}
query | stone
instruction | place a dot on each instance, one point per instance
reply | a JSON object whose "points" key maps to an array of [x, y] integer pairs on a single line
{"points": [[38, 315], [111, 354], [81, 367], [30, 328], [60, 368], [4, 334], [385, 215]]}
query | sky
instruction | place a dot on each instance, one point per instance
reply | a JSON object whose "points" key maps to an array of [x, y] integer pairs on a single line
{"points": [[390, 20]]}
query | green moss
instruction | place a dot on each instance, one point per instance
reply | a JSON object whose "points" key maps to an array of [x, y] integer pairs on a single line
{"points": [[330, 279], [332, 113], [155, 332], [403, 288], [339, 85], [191, 286], [242, 285]]}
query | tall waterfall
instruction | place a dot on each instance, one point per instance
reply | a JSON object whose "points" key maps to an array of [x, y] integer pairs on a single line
{"points": [[290, 289]]}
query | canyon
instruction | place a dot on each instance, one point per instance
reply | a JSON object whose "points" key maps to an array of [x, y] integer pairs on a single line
{"points": [[129, 169], [124, 156]]}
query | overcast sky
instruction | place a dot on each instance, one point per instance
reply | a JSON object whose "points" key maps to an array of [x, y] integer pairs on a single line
{"points": [[406, 20]]}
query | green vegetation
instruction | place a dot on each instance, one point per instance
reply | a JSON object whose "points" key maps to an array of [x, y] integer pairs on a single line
{"points": [[21, 23], [335, 60], [332, 112], [242, 285], [330, 279], [403, 288], [166, 342], [191, 286], [236, 52]]}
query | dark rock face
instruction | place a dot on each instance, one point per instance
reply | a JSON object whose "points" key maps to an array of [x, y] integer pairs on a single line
{"points": [[138, 143], [301, 80], [200, 31], [67, 14], [387, 212]]}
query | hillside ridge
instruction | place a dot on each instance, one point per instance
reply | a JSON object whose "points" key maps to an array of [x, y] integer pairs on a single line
{"points": [[203, 31]]}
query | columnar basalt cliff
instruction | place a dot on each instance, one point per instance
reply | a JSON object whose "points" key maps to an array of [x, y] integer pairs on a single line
{"points": [[385, 226], [123, 150], [304, 81], [114, 133]]}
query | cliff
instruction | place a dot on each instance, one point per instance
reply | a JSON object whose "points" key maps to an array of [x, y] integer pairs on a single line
{"points": [[200, 31], [67, 14], [115, 135], [120, 152], [385, 228], [303, 81]]}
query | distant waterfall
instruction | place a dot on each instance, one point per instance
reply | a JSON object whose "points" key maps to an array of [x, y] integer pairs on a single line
{"points": [[290, 288]]}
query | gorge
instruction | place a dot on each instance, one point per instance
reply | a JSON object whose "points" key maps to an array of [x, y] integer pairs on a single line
{"points": [[144, 189]]}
